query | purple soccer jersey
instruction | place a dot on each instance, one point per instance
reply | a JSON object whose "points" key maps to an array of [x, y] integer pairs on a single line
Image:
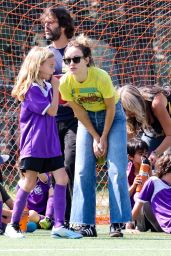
{"points": [[37, 199], [158, 193], [39, 136]]}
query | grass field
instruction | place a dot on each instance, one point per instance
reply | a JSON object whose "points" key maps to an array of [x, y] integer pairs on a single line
{"points": [[40, 243]]}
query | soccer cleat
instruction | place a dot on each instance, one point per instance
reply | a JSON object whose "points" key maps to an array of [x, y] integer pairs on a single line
{"points": [[115, 230], [67, 225], [13, 231], [45, 223], [62, 232], [88, 231]]}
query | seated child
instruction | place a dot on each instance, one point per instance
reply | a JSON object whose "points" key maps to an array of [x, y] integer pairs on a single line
{"points": [[156, 195], [5, 214], [40, 202], [137, 149]]}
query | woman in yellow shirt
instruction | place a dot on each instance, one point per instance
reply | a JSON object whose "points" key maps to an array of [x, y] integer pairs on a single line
{"points": [[101, 133]]}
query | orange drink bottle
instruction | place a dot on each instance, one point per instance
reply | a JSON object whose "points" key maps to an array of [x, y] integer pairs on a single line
{"points": [[24, 220], [143, 173]]}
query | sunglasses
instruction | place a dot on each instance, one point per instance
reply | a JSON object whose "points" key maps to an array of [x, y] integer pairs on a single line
{"points": [[75, 60]]}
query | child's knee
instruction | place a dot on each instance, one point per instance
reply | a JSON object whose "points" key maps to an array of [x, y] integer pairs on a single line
{"points": [[34, 216], [61, 177]]}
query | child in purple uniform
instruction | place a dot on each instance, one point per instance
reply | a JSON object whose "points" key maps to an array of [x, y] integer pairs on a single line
{"points": [[39, 142], [40, 201], [157, 191], [38, 197]]}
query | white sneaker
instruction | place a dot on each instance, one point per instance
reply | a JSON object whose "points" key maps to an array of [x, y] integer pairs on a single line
{"points": [[62, 232], [13, 231]]}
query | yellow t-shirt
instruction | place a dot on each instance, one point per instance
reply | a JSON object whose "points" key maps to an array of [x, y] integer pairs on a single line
{"points": [[91, 93]]}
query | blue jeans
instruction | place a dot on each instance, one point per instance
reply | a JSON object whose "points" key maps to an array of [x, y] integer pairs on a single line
{"points": [[83, 209]]}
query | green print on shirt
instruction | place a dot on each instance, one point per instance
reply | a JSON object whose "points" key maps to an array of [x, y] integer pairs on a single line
{"points": [[84, 90]]}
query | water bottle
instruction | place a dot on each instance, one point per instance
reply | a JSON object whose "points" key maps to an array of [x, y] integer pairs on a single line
{"points": [[24, 220], [143, 172]]}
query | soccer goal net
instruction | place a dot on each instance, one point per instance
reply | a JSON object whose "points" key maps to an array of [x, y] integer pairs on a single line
{"points": [[132, 41]]}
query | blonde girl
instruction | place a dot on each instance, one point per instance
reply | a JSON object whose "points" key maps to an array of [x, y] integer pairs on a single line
{"points": [[39, 143]]}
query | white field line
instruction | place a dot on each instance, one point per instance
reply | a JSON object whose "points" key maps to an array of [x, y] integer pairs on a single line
{"points": [[82, 249]]}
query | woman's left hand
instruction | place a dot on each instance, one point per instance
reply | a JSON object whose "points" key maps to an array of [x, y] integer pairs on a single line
{"points": [[103, 143], [100, 147], [96, 148], [152, 158]]}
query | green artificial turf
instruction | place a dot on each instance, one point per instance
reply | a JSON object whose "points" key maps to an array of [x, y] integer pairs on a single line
{"points": [[40, 243]]}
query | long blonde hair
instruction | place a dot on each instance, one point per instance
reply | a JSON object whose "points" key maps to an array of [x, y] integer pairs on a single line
{"points": [[138, 101], [133, 102], [29, 71]]}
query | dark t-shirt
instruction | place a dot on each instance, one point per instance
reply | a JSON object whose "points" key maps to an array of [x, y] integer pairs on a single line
{"points": [[156, 127], [64, 113]]}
